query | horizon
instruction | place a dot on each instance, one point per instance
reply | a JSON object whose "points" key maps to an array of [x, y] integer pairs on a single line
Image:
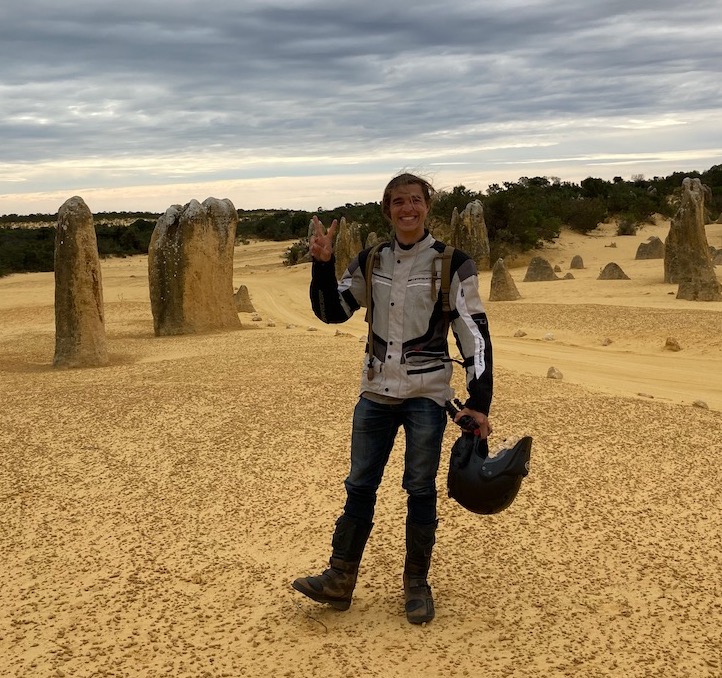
{"points": [[342, 200]]}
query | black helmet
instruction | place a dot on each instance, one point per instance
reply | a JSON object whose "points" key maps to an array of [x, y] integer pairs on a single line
{"points": [[484, 484]]}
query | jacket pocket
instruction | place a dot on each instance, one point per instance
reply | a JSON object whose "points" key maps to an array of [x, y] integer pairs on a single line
{"points": [[423, 360]]}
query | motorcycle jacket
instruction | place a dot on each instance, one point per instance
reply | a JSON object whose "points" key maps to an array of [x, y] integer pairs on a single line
{"points": [[408, 354]]}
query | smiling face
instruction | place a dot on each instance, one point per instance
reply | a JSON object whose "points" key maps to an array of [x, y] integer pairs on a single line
{"points": [[407, 212]]}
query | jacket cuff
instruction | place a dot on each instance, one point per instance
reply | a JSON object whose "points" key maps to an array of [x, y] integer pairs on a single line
{"points": [[479, 404], [324, 271]]}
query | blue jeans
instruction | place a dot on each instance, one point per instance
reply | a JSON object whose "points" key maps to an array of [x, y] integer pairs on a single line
{"points": [[375, 426]]}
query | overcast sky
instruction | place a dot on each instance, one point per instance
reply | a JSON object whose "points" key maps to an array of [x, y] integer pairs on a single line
{"points": [[141, 104]]}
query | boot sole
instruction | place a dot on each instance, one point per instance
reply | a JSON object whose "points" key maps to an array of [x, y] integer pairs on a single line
{"points": [[417, 620], [419, 614], [335, 603], [420, 618]]}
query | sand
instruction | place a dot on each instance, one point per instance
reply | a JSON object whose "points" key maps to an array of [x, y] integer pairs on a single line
{"points": [[155, 511]]}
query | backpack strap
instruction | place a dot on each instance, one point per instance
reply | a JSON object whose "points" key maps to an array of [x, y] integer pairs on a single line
{"points": [[446, 278], [371, 260]]}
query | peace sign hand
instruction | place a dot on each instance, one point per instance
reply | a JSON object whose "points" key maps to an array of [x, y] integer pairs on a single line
{"points": [[321, 243]]}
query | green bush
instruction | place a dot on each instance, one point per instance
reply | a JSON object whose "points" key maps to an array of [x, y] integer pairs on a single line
{"points": [[627, 226], [24, 250], [296, 252], [585, 214]]}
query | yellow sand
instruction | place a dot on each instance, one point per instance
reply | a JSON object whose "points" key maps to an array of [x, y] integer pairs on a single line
{"points": [[154, 512]]}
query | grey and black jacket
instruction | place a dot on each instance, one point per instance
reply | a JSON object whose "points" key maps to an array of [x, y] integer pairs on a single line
{"points": [[410, 353]]}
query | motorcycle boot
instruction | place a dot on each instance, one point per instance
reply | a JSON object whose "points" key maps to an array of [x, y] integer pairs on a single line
{"points": [[335, 585]]}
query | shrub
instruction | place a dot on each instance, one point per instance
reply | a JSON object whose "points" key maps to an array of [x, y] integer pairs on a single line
{"points": [[627, 226], [296, 253], [585, 214]]}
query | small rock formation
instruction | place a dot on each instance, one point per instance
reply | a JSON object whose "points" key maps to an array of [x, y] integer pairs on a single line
{"points": [[717, 259], [503, 287], [549, 336], [606, 342], [672, 345], [190, 268], [612, 271], [520, 333], [554, 373], [79, 317], [243, 300], [371, 239], [652, 249], [539, 270], [348, 245], [701, 403], [577, 262], [568, 276], [469, 233], [687, 260], [557, 269]]}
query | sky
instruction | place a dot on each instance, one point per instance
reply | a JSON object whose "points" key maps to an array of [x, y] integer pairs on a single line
{"points": [[306, 104]]}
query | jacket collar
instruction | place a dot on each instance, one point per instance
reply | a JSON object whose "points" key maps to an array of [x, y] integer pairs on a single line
{"points": [[426, 241]]}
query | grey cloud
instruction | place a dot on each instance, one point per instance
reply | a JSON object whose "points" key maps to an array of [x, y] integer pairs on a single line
{"points": [[308, 78]]}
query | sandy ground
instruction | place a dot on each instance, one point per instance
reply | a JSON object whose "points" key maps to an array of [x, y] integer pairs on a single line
{"points": [[154, 512]]}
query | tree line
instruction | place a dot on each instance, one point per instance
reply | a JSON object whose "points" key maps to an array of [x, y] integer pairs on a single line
{"points": [[29, 250], [519, 216]]}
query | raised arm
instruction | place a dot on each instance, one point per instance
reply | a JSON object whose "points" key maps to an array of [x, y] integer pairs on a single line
{"points": [[321, 243], [331, 301]]}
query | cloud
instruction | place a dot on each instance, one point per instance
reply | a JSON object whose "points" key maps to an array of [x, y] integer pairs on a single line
{"points": [[106, 95]]}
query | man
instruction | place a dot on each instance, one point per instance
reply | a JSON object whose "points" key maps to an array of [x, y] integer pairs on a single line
{"points": [[405, 382]]}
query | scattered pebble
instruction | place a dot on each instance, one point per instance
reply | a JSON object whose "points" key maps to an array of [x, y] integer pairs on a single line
{"points": [[554, 373], [672, 344]]}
